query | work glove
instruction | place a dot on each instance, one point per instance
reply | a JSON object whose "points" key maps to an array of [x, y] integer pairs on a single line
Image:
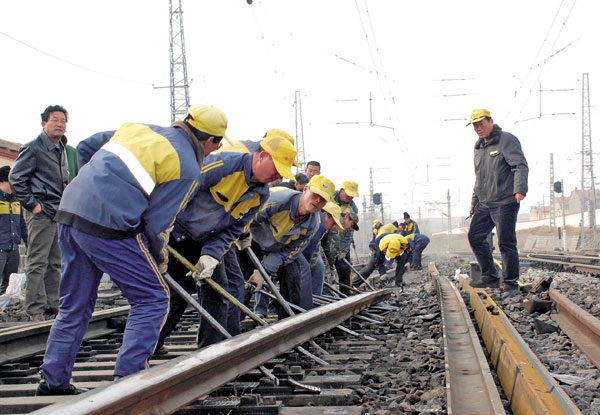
{"points": [[341, 255], [164, 265], [206, 264], [244, 241], [257, 279]]}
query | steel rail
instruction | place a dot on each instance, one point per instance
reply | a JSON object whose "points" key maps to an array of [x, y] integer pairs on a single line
{"points": [[25, 341], [528, 385], [167, 387], [592, 269], [470, 388], [581, 327]]}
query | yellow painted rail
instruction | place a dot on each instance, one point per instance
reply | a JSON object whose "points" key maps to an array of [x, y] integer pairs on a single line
{"points": [[528, 385]]}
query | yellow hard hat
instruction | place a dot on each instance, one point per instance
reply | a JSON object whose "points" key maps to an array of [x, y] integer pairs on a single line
{"points": [[335, 212], [351, 188], [208, 119], [282, 152], [478, 115], [376, 221], [281, 133], [322, 186]]}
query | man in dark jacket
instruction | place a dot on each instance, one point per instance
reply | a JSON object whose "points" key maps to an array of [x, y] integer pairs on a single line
{"points": [[12, 230], [500, 184], [38, 178]]}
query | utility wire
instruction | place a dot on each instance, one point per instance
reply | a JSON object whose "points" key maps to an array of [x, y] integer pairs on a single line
{"points": [[73, 64]]}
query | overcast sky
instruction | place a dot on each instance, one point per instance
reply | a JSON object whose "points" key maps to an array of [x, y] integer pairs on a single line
{"points": [[426, 64]]}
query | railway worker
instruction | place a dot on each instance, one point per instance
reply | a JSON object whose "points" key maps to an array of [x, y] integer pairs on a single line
{"points": [[410, 226], [330, 217], [38, 179], [391, 227], [376, 225], [417, 243], [235, 184], [350, 222], [500, 184], [313, 168], [393, 246], [114, 218], [280, 232], [13, 230], [301, 180], [343, 198]]}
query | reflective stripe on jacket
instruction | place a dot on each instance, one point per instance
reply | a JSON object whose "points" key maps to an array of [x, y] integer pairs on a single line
{"points": [[138, 181]]}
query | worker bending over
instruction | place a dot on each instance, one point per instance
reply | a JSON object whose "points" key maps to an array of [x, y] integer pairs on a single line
{"points": [[114, 218], [234, 186]]}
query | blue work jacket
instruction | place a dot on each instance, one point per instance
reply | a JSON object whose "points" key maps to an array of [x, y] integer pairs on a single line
{"points": [[275, 230], [226, 201], [133, 180], [12, 225]]}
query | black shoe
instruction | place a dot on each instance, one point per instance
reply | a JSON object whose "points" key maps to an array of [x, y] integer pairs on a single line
{"points": [[486, 282], [160, 351], [416, 268], [510, 290], [44, 390], [399, 283]]}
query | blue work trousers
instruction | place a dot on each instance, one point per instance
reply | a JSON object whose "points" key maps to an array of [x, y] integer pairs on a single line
{"points": [[420, 243], [317, 273], [236, 288], [504, 218], [130, 265]]}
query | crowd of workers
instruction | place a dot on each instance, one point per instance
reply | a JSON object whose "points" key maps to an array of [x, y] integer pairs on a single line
{"points": [[128, 202]]}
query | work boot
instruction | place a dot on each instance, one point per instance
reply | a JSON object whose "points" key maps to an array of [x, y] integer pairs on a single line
{"points": [[486, 282], [36, 317], [44, 390], [510, 290], [160, 351]]}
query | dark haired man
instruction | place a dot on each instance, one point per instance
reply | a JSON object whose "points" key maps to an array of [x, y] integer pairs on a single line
{"points": [[38, 178], [500, 184], [12, 230], [115, 218], [313, 168]]}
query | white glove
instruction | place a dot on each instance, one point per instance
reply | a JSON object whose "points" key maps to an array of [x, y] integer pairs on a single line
{"points": [[206, 264], [244, 242], [257, 279]]}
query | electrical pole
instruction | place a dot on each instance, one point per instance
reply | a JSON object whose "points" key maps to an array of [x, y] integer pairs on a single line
{"points": [[371, 191], [564, 230], [552, 200], [587, 167], [449, 220], [180, 98], [299, 132]]}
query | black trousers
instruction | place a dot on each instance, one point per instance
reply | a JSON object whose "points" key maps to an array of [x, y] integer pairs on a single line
{"points": [[210, 300]]}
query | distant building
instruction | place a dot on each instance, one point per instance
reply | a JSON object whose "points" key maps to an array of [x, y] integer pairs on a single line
{"points": [[8, 152], [572, 205]]}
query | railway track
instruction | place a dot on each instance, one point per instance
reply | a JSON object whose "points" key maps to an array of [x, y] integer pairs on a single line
{"points": [[567, 261], [221, 379]]}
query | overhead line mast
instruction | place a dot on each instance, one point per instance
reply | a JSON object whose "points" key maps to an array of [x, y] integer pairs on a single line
{"points": [[180, 98]]}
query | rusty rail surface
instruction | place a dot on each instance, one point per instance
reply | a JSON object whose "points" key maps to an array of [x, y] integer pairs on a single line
{"points": [[581, 327], [165, 388], [470, 388], [24, 341]]}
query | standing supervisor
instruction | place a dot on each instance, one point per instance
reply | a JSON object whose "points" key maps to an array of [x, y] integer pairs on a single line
{"points": [[410, 226], [38, 178], [12, 230], [500, 185], [115, 218]]}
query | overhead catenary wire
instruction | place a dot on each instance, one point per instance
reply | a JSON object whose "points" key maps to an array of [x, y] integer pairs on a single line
{"points": [[542, 65], [75, 65]]}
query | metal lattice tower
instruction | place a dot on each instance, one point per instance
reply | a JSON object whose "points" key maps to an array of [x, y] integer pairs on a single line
{"points": [[587, 168], [552, 201], [180, 98], [301, 155]]}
